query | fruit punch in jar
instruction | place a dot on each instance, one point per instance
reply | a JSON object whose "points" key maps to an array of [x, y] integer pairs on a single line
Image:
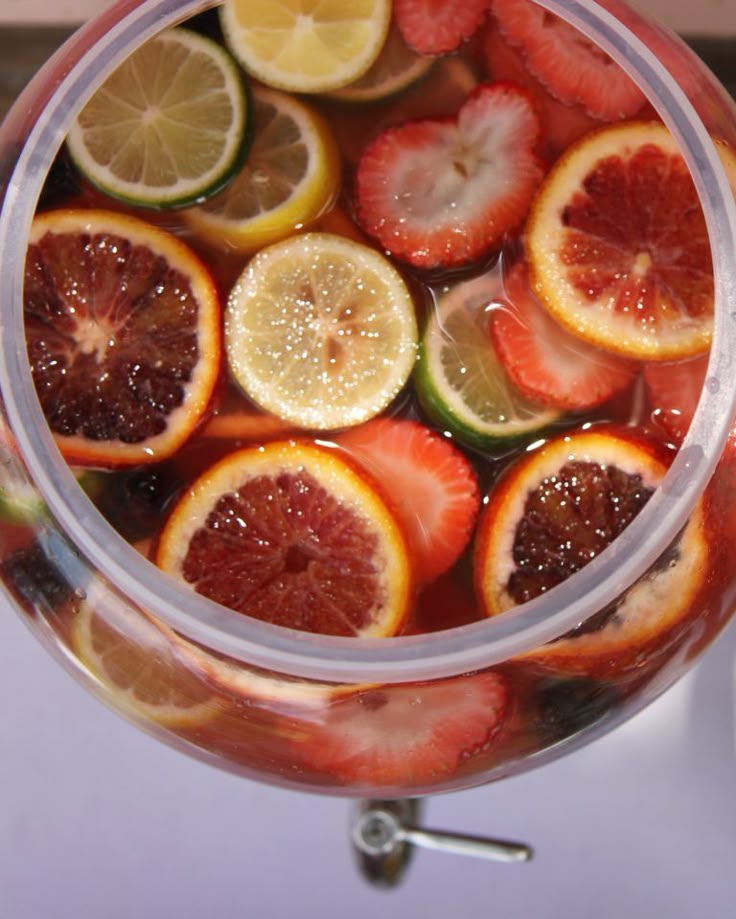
{"points": [[370, 323]]}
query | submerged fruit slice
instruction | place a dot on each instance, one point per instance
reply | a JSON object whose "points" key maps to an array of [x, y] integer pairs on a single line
{"points": [[674, 391], [291, 177], [558, 509], [430, 483], [408, 734], [145, 666], [170, 126], [432, 27], [460, 381], [307, 47], [618, 247], [123, 333], [291, 534], [446, 192], [571, 67], [396, 68], [321, 332], [544, 361]]}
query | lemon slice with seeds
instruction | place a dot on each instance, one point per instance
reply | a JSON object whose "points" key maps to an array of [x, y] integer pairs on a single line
{"points": [[170, 126], [320, 331], [291, 178], [309, 46]]}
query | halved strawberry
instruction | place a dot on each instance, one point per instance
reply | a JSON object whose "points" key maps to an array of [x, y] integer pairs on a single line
{"points": [[562, 123], [571, 67], [674, 390], [547, 363], [431, 485], [446, 192], [408, 734], [438, 26]]}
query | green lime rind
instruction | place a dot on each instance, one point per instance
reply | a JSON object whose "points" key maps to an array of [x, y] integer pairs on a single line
{"points": [[460, 382], [21, 502], [113, 139]]}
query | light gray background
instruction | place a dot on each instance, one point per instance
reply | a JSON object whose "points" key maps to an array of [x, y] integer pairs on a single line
{"points": [[99, 821]]}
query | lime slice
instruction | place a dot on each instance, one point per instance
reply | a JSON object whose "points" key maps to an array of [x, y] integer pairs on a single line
{"points": [[396, 68], [460, 382], [308, 47], [320, 331], [291, 178], [170, 126]]}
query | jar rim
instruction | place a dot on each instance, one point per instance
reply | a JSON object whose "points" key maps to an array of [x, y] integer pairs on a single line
{"points": [[404, 658]]}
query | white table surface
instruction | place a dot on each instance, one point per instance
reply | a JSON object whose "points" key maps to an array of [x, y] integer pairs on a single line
{"points": [[100, 821]]}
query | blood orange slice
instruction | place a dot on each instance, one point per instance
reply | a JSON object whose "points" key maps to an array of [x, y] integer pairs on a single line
{"points": [[123, 334], [561, 507], [291, 534], [618, 246]]}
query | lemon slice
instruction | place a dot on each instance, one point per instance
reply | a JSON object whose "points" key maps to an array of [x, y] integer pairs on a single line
{"points": [[291, 178], [397, 67], [321, 331], [146, 668], [309, 46], [169, 127]]}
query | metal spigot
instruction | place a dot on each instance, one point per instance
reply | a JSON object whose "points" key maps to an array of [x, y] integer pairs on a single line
{"points": [[385, 833]]}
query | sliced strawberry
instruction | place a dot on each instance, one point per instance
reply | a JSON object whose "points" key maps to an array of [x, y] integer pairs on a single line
{"points": [[544, 361], [408, 734], [562, 124], [438, 26], [674, 390], [431, 485], [571, 67], [445, 192]]}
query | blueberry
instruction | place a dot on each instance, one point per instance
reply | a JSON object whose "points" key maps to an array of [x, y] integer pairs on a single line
{"points": [[134, 502], [566, 706]]}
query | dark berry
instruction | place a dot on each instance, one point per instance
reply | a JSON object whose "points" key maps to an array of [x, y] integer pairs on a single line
{"points": [[567, 706], [133, 502], [45, 575]]}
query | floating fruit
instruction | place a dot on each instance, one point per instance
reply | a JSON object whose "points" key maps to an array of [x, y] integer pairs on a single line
{"points": [[123, 332], [445, 192], [572, 67], [430, 27], [559, 508], [291, 534], [430, 483], [306, 47], [545, 362], [170, 126], [321, 331], [618, 247], [291, 178], [460, 381], [411, 734]]}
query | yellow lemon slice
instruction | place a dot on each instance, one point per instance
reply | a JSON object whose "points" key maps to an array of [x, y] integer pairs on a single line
{"points": [[291, 178], [308, 46], [321, 331]]}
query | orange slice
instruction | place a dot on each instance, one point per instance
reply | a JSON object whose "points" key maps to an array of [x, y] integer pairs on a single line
{"points": [[145, 667], [123, 334], [291, 534], [558, 509], [618, 246]]}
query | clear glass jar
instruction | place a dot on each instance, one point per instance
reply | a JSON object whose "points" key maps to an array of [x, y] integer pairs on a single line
{"points": [[268, 702]]}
